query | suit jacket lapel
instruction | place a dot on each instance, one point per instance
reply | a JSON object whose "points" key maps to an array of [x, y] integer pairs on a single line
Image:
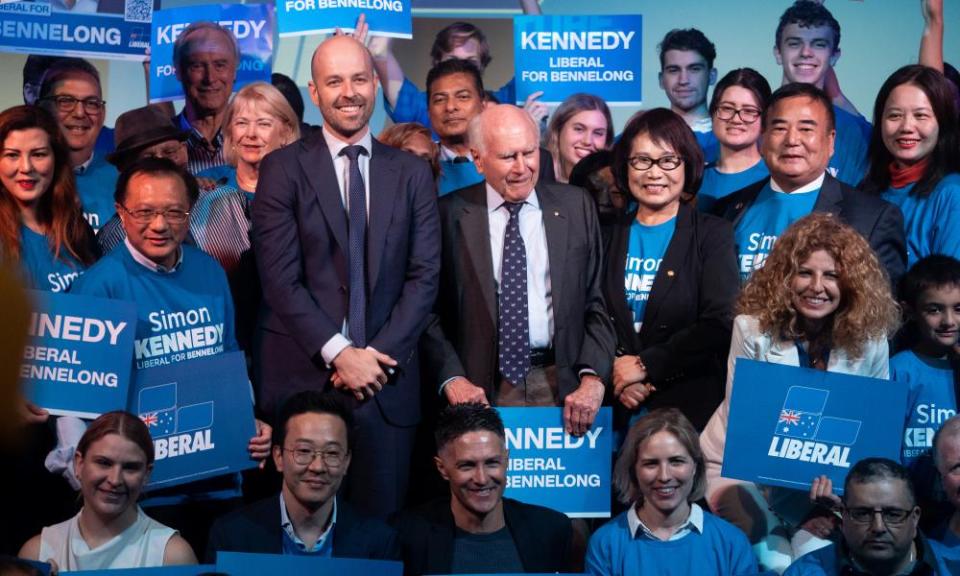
{"points": [[619, 245], [746, 199], [830, 197], [475, 227], [318, 166], [673, 261], [555, 224], [384, 183]]}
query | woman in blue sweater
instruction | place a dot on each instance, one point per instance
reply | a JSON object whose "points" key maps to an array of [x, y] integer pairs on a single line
{"points": [[661, 473], [915, 158]]}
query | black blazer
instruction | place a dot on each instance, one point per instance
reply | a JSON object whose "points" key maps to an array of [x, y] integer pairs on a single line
{"points": [[301, 243], [685, 336], [461, 338], [542, 537], [880, 222], [256, 528]]}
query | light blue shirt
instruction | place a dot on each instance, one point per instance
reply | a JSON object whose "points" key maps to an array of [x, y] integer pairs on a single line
{"points": [[324, 544], [694, 523], [539, 298]]}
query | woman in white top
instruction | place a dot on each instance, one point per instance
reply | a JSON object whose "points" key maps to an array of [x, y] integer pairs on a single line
{"points": [[113, 462], [821, 300]]}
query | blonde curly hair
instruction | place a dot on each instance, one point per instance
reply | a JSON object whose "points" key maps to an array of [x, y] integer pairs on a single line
{"points": [[867, 309]]}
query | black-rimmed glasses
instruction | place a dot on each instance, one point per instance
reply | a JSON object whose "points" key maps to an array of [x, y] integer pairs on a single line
{"points": [[67, 104]]}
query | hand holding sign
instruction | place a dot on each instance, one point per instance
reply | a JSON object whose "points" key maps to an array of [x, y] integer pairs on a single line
{"points": [[259, 446]]}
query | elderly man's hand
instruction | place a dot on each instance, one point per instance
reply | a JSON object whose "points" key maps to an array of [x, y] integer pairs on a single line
{"points": [[581, 406]]}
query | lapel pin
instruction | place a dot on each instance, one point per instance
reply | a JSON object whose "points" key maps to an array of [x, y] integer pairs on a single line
{"points": [[738, 206], [670, 273], [556, 212]]}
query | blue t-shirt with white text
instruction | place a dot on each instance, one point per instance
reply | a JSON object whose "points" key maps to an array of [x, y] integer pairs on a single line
{"points": [[931, 400], [931, 224], [645, 252], [717, 185], [41, 271], [764, 221]]}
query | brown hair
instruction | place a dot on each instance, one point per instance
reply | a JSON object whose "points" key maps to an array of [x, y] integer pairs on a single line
{"points": [[125, 425], [867, 309], [397, 135], [662, 419], [58, 209]]}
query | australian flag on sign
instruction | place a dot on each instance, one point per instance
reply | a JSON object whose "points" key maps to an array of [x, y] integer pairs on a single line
{"points": [[801, 412], [159, 411]]}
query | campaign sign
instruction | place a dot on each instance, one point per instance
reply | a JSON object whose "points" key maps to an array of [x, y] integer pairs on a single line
{"points": [[251, 24], [193, 570], [789, 425], [551, 468], [77, 360], [563, 55], [385, 17], [113, 29], [245, 564], [200, 415]]}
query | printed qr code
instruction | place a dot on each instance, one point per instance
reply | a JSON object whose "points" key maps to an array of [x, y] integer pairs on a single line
{"points": [[138, 11]]}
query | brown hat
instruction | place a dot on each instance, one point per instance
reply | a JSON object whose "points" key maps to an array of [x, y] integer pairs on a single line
{"points": [[140, 128]]}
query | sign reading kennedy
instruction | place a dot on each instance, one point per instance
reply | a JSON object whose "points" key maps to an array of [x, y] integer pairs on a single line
{"points": [[116, 29], [200, 415], [77, 361], [789, 425], [563, 55], [384, 17], [551, 468], [251, 24]]}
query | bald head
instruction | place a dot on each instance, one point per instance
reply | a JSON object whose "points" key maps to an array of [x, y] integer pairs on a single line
{"points": [[344, 86], [504, 141]]}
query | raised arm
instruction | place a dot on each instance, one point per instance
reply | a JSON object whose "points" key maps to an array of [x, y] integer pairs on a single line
{"points": [[931, 43]]}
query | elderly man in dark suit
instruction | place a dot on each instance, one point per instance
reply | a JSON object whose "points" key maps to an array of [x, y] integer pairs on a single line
{"points": [[348, 246], [520, 320], [311, 448]]}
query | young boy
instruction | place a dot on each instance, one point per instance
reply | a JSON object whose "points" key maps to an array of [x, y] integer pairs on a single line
{"points": [[930, 296]]}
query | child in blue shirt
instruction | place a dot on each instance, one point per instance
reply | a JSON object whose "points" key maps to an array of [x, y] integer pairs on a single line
{"points": [[930, 296]]}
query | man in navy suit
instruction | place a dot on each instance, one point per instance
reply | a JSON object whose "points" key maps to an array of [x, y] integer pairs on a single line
{"points": [[347, 239], [311, 448]]}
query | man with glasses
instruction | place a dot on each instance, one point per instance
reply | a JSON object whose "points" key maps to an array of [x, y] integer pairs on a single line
{"points": [[70, 91], [796, 144], [311, 450], [879, 525]]}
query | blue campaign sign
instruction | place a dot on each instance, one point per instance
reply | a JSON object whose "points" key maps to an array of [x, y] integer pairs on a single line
{"points": [[551, 468], [789, 425], [385, 17], [251, 24], [563, 55], [77, 361], [111, 29], [200, 414], [245, 564], [193, 570]]}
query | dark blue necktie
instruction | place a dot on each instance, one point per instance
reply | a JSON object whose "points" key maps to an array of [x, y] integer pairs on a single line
{"points": [[514, 315], [357, 210]]}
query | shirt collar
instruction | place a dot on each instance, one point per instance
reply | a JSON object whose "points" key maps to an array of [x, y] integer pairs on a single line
{"points": [[694, 522], [150, 264], [702, 125], [337, 145], [448, 155], [287, 526], [195, 134], [79, 170], [495, 200], [811, 187]]}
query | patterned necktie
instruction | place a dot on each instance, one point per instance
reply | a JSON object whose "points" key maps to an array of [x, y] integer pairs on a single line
{"points": [[514, 316], [357, 203]]}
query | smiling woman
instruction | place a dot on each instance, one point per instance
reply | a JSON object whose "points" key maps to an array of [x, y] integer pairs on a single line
{"points": [[113, 463], [580, 126]]}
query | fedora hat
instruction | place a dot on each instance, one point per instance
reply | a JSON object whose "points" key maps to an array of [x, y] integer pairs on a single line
{"points": [[141, 128]]}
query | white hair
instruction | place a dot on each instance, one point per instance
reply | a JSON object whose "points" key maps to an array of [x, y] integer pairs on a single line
{"points": [[475, 130]]}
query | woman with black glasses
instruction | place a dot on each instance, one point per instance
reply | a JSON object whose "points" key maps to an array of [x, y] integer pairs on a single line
{"points": [[671, 274], [736, 108]]}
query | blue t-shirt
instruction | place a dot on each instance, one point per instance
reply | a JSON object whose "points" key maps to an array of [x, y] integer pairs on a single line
{"points": [[849, 161], [709, 144], [181, 315], [930, 402], [41, 271], [105, 141], [722, 549], [717, 185], [456, 175], [412, 102], [645, 252], [96, 186], [932, 224], [764, 221]]}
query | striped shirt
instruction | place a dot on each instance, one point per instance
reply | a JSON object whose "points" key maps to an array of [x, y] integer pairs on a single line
{"points": [[201, 153]]}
